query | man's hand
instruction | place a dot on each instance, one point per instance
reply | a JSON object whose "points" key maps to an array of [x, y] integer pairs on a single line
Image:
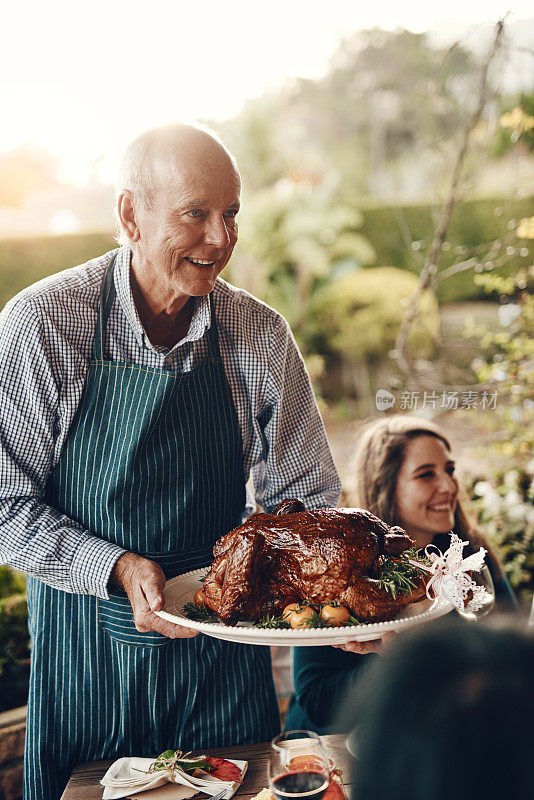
{"points": [[364, 648], [143, 581]]}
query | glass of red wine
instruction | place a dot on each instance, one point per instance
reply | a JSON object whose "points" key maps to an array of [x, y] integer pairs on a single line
{"points": [[298, 766]]}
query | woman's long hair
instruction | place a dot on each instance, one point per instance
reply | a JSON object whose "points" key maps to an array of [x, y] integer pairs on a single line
{"points": [[379, 457]]}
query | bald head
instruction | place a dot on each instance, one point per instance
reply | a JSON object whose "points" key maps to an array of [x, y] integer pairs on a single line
{"points": [[160, 154]]}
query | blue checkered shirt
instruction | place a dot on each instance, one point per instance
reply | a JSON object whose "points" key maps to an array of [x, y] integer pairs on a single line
{"points": [[46, 336]]}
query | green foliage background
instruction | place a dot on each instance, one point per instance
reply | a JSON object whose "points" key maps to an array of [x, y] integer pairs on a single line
{"points": [[14, 639]]}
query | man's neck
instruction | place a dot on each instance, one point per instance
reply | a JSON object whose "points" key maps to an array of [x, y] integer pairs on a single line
{"points": [[165, 318]]}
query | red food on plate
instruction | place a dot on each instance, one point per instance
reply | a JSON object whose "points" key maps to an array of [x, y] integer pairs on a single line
{"points": [[335, 789], [225, 770]]}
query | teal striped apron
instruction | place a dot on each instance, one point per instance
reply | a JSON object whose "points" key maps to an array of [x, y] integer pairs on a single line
{"points": [[153, 462]]}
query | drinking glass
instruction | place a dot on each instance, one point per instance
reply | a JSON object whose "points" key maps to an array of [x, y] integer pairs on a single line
{"points": [[482, 578], [298, 766]]}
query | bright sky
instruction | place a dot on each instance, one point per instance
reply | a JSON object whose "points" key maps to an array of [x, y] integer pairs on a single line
{"points": [[80, 79]]}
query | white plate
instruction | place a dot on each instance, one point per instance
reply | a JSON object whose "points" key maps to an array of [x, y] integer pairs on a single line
{"points": [[180, 590]]}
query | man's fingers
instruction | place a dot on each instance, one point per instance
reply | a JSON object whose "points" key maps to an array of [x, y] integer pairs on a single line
{"points": [[144, 581], [154, 597], [167, 628]]}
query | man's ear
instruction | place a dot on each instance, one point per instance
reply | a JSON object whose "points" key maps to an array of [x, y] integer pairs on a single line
{"points": [[126, 212]]}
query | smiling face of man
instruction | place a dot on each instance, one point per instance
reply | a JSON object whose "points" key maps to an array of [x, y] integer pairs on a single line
{"points": [[186, 236]]}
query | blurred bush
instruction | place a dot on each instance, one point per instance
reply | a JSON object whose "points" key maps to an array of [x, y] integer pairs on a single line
{"points": [[505, 502], [400, 236], [14, 639], [355, 320], [24, 261], [506, 515], [516, 125]]}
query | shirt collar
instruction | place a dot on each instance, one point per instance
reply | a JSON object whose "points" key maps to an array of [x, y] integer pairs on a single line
{"points": [[200, 322]]}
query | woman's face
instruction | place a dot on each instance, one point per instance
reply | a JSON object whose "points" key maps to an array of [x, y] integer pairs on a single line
{"points": [[426, 491]]}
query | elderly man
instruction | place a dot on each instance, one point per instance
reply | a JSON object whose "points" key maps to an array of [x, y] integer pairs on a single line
{"points": [[138, 391]]}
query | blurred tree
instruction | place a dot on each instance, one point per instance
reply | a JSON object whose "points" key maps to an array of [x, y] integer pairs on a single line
{"points": [[256, 139], [509, 365], [516, 125], [385, 94]]}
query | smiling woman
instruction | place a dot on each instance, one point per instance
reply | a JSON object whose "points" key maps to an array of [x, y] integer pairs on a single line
{"points": [[405, 475]]}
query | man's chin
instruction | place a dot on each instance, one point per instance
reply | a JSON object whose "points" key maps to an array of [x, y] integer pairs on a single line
{"points": [[197, 287], [204, 286]]}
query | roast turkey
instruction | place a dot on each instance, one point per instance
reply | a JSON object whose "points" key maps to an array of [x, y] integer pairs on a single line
{"points": [[332, 554]]}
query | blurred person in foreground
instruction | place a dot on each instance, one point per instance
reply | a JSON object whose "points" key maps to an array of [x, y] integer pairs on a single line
{"points": [[404, 475], [138, 391], [446, 713]]}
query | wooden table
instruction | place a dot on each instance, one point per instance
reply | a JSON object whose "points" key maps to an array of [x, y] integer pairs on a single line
{"points": [[85, 780]]}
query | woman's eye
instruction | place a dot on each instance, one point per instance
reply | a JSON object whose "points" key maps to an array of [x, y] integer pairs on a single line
{"points": [[450, 470], [427, 474]]}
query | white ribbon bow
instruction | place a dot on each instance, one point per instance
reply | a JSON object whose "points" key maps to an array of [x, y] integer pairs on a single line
{"points": [[450, 579]]}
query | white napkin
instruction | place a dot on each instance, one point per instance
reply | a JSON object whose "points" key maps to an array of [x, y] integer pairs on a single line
{"points": [[128, 776]]}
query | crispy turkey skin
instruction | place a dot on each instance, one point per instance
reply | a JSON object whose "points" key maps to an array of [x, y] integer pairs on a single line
{"points": [[294, 554]]}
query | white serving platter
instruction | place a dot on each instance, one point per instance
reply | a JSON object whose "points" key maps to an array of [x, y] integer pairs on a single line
{"points": [[180, 590]]}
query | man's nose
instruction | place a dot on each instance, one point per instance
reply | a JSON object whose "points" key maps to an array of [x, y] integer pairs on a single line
{"points": [[216, 232]]}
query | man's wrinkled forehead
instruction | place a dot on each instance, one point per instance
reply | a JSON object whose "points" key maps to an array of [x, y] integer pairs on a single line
{"points": [[185, 157]]}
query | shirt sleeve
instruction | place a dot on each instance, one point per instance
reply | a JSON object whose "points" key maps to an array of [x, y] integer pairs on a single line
{"points": [[298, 462], [34, 537]]}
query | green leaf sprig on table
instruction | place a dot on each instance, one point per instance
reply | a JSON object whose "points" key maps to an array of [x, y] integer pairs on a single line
{"points": [[171, 760], [399, 575]]}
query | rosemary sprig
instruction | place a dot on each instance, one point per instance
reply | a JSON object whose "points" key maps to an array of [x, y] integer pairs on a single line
{"points": [[199, 613], [398, 575], [417, 555], [318, 622], [273, 622]]}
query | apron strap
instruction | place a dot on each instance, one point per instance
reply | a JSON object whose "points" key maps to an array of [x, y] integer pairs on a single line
{"points": [[213, 336], [107, 296]]}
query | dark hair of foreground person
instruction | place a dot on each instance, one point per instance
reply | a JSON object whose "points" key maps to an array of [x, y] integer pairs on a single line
{"points": [[446, 714]]}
